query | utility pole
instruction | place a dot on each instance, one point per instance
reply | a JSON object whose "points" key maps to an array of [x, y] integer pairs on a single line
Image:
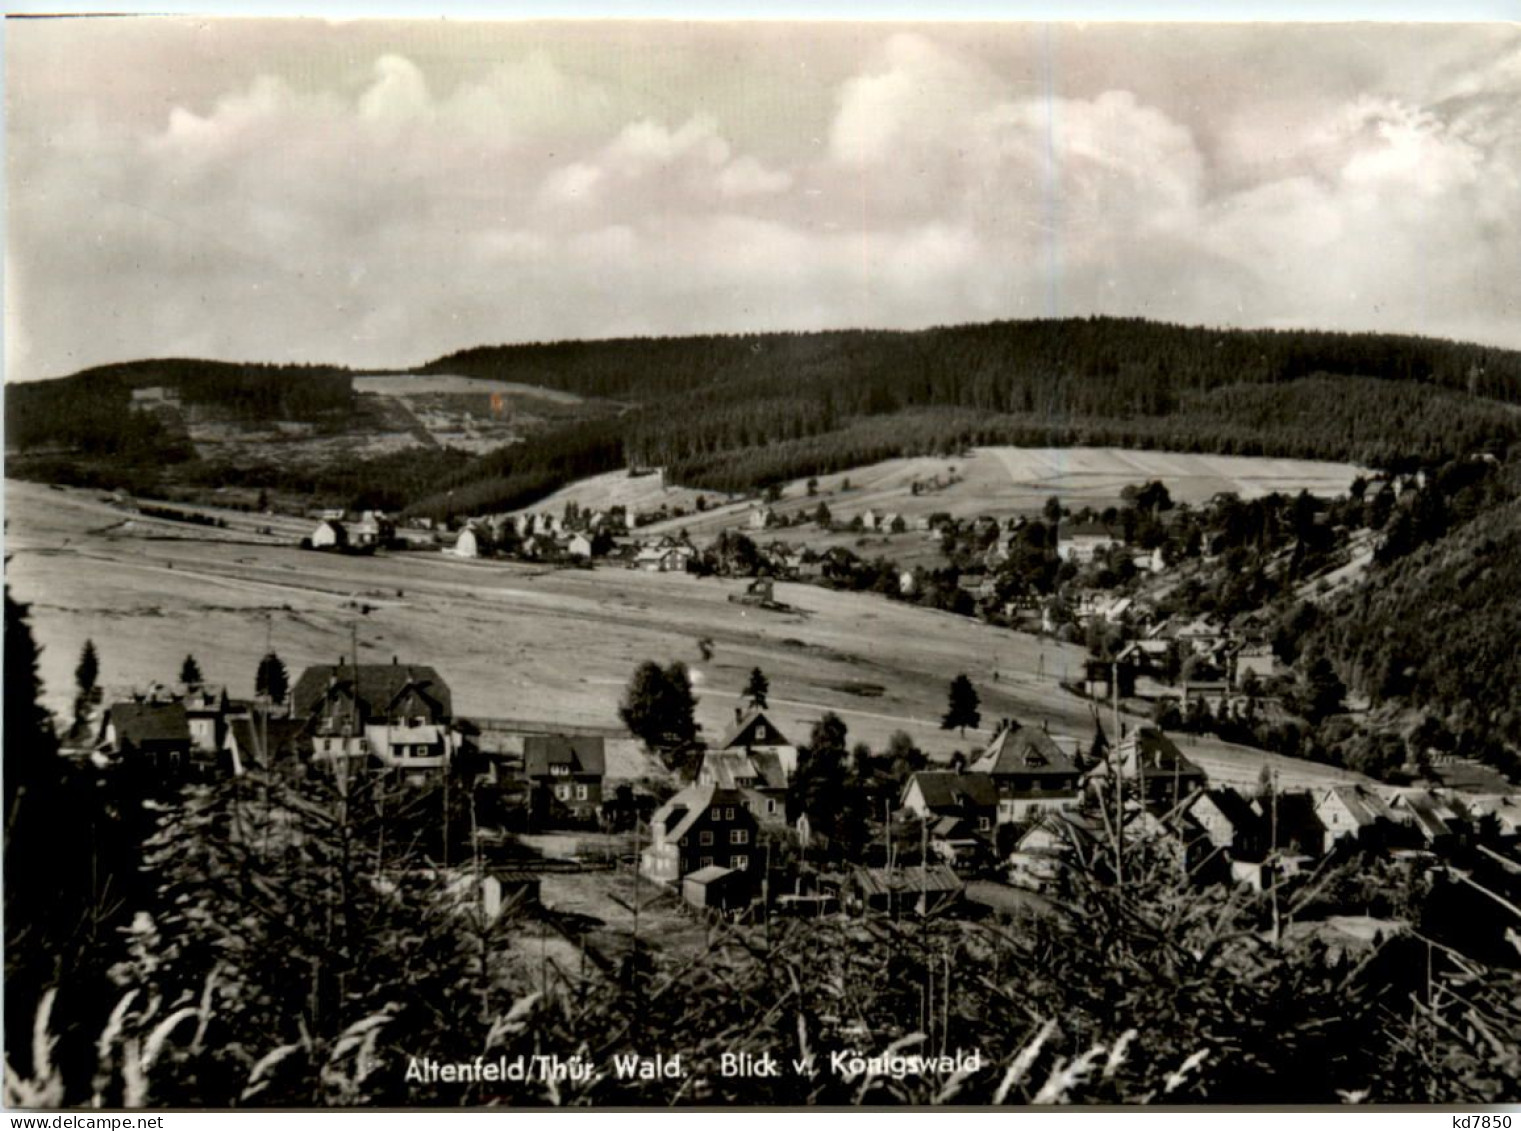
{"points": [[1119, 782]]}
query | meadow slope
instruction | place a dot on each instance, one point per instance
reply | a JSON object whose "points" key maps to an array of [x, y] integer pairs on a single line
{"points": [[519, 641]]}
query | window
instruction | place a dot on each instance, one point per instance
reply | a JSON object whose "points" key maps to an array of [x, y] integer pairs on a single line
{"points": [[562, 792], [760, 732], [706, 838], [771, 805], [717, 814], [729, 814], [582, 793], [560, 770], [739, 836], [982, 824], [739, 862], [707, 861]]}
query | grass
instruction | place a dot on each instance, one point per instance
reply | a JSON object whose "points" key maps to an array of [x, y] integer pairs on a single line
{"points": [[524, 642]]}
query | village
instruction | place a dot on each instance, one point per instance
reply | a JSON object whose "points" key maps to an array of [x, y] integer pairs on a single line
{"points": [[757, 824]]}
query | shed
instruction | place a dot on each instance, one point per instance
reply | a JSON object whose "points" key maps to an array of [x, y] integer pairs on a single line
{"points": [[716, 887]]}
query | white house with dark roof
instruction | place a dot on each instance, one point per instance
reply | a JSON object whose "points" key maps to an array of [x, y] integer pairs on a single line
{"points": [[1030, 772], [754, 732]]}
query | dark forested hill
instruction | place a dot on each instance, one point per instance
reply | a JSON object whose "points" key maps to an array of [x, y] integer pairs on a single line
{"points": [[741, 412]]}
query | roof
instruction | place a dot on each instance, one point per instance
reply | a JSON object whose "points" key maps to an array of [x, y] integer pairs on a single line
{"points": [[708, 875], [1230, 805], [681, 812], [907, 881], [379, 685], [1087, 530], [730, 768], [1146, 752], [945, 790], [584, 755], [741, 734], [250, 734], [1024, 751], [141, 724], [1363, 806]]}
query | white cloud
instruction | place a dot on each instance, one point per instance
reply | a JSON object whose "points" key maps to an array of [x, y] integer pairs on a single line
{"points": [[392, 214]]}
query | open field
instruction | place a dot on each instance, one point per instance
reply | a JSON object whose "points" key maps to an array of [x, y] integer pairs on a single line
{"points": [[1007, 481], [438, 384], [516, 641]]}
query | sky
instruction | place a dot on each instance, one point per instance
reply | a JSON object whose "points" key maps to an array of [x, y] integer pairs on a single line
{"points": [[377, 194]]}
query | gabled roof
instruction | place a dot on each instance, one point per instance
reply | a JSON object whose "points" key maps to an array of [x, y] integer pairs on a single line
{"points": [[907, 881], [376, 687], [582, 754], [948, 792], [741, 735], [1023, 751], [681, 812], [1148, 753], [1362, 805], [1236, 810], [145, 724], [260, 741], [735, 769]]}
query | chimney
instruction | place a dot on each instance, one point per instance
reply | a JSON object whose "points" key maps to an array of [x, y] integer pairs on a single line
{"points": [[739, 713], [395, 661]]}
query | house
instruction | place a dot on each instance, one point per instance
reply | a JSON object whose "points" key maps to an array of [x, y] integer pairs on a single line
{"points": [[1176, 836], [1351, 812], [1291, 823], [565, 772], [754, 732], [931, 889], [149, 735], [1256, 660], [665, 557], [1148, 657], [579, 546], [1210, 694], [1030, 773], [1152, 767], [330, 534], [870, 520], [1496, 814], [373, 531], [959, 797], [263, 741], [1153, 561], [469, 544], [1427, 815], [206, 711], [762, 518], [1199, 636], [392, 716], [717, 888], [1230, 823], [1054, 842], [1081, 542], [759, 776], [701, 826]]}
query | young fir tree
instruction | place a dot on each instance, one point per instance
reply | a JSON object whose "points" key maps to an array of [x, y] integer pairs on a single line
{"points": [[961, 711], [757, 687], [190, 672], [272, 678]]}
